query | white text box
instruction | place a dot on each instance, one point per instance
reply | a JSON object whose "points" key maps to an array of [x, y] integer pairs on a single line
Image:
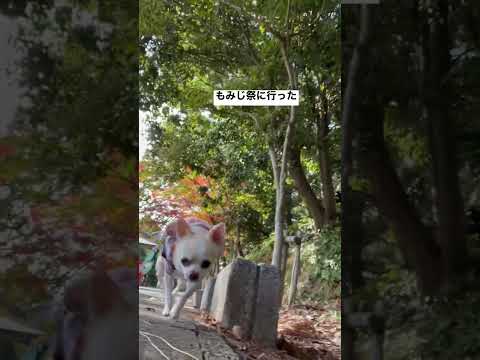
{"points": [[256, 97]]}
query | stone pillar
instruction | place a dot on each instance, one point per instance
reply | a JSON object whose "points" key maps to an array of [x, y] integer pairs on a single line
{"points": [[267, 306], [246, 298], [234, 295]]}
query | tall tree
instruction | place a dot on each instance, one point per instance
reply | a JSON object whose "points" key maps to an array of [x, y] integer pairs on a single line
{"points": [[267, 45]]}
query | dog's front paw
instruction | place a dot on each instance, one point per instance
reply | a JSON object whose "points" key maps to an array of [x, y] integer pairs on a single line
{"points": [[165, 311], [174, 314]]}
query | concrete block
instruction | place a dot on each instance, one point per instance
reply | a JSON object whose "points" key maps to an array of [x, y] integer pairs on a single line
{"points": [[267, 306], [246, 299], [234, 295]]}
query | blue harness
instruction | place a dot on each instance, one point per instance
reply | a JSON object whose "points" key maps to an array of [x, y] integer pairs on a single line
{"points": [[167, 253]]}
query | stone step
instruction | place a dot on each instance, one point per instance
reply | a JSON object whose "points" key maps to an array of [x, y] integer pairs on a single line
{"points": [[182, 334]]}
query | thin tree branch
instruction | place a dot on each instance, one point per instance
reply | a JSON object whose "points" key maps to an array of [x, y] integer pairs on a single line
{"points": [[271, 149]]}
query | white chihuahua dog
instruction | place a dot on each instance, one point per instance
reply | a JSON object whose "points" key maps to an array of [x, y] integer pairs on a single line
{"points": [[100, 317], [191, 248]]}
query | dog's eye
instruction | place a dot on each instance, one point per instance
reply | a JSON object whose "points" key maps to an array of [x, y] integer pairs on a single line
{"points": [[205, 264], [185, 262]]}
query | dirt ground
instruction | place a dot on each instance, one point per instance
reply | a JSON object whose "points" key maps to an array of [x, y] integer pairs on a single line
{"points": [[306, 332]]}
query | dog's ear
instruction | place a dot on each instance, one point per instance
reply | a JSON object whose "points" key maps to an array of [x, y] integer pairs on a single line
{"points": [[217, 234], [91, 295], [103, 294], [75, 297], [183, 229], [171, 229]]}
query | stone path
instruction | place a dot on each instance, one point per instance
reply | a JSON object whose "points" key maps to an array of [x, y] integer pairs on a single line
{"points": [[184, 334]]}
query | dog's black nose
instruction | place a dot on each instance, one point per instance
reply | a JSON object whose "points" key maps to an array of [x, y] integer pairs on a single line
{"points": [[193, 276]]}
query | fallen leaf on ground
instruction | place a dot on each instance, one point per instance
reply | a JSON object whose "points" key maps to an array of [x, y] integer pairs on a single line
{"points": [[306, 332]]}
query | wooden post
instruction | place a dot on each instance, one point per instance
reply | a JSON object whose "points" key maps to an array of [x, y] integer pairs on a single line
{"points": [[295, 270], [373, 322], [377, 325]]}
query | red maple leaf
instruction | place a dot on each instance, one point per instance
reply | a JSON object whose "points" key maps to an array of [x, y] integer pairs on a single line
{"points": [[201, 181]]}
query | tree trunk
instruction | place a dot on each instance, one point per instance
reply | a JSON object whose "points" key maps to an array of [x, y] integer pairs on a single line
{"points": [[351, 219], [325, 163], [282, 169], [304, 189], [288, 206], [238, 245], [448, 199], [279, 211], [285, 249], [352, 240], [415, 240]]}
